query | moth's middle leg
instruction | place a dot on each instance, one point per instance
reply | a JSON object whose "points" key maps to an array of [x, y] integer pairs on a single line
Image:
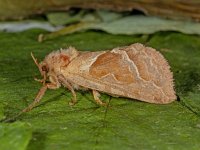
{"points": [[96, 95], [69, 87]]}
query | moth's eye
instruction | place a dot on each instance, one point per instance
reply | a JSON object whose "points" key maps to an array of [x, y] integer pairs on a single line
{"points": [[44, 68]]}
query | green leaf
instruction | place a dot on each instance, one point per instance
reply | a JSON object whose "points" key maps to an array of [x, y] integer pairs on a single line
{"points": [[116, 23], [192, 102], [147, 25], [1, 111], [126, 123], [108, 16], [14, 136], [62, 18], [110, 22]]}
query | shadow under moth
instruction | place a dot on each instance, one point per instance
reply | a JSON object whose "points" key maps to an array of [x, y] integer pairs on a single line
{"points": [[134, 71]]}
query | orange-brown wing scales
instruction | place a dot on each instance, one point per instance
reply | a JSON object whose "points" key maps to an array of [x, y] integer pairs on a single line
{"points": [[134, 71], [111, 67]]}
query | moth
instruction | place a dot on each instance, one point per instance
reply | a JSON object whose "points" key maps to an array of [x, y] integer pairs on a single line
{"points": [[134, 71]]}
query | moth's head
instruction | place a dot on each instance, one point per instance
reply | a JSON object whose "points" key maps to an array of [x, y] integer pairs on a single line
{"points": [[52, 64]]}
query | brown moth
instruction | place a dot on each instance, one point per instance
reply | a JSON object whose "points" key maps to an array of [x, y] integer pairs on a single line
{"points": [[134, 71]]}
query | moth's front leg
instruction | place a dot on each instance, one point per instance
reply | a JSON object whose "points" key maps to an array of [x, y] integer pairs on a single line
{"points": [[96, 95], [66, 84], [40, 95]]}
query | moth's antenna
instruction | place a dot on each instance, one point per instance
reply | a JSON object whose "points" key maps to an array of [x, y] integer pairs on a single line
{"points": [[35, 60], [37, 64]]}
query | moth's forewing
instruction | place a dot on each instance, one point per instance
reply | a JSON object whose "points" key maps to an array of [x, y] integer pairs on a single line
{"points": [[134, 71]]}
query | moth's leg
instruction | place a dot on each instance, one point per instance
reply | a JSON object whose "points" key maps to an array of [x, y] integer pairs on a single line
{"points": [[96, 95], [69, 87], [53, 86], [37, 99], [40, 95]]}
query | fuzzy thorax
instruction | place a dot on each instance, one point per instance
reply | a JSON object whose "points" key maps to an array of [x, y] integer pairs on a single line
{"points": [[58, 59]]}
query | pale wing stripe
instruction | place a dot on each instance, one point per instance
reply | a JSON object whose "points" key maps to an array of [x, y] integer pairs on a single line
{"points": [[86, 67], [126, 57], [161, 89]]}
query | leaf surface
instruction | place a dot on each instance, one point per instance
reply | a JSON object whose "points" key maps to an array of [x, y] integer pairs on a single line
{"points": [[14, 136], [125, 124]]}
